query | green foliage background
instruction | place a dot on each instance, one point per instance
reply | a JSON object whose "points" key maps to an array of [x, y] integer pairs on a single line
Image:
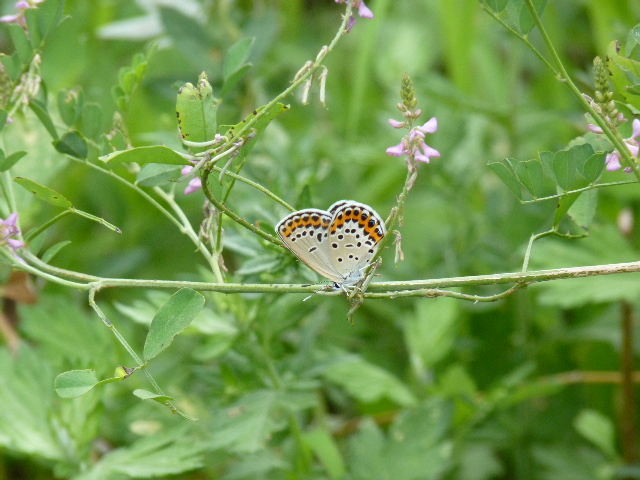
{"points": [[286, 388]]}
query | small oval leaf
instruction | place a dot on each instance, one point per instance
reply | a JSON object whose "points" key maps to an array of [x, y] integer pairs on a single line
{"points": [[172, 318], [75, 383]]}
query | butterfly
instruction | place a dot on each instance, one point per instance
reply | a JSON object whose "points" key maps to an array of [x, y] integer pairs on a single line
{"points": [[339, 243]]}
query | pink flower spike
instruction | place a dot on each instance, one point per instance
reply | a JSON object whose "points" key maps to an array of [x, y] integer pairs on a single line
{"points": [[186, 170], [10, 18], [594, 128], [364, 11], [396, 151], [22, 4], [396, 123]]}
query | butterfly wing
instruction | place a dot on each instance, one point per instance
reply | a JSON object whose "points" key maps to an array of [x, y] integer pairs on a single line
{"points": [[306, 233], [354, 235]]}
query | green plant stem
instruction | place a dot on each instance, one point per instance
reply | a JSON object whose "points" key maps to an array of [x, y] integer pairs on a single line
{"points": [[578, 190], [37, 231], [127, 347], [613, 135]]}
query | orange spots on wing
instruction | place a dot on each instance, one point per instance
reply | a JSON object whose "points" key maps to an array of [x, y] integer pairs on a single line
{"points": [[365, 220], [316, 221]]}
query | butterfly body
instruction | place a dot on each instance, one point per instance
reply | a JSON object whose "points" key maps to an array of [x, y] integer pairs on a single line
{"points": [[339, 243]]}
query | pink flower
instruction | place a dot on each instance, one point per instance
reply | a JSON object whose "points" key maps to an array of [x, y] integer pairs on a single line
{"points": [[613, 159], [21, 6], [413, 144], [363, 11], [8, 229], [195, 184]]}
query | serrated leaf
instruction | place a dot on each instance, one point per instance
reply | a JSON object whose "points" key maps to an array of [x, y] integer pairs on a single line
{"points": [[155, 174], [44, 193], [72, 144], [237, 56], [507, 174], [531, 175], [40, 110], [7, 162], [172, 318], [145, 155], [75, 383]]}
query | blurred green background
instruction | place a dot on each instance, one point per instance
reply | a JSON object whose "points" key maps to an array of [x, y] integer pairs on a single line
{"points": [[416, 389]]}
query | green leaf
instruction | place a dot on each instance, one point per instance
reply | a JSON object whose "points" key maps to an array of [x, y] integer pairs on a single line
{"points": [[531, 176], [233, 79], [147, 395], [167, 453], [172, 318], [185, 30], [53, 250], [564, 168], [564, 204], [260, 126], [325, 448], [75, 383], [521, 16], [598, 429], [91, 120], [4, 115], [155, 174], [45, 18], [196, 110], [7, 162], [144, 155], [23, 47], [504, 170], [237, 56], [72, 144], [430, 333], [69, 106], [584, 208], [40, 110], [593, 167], [369, 383], [44, 193], [497, 5]]}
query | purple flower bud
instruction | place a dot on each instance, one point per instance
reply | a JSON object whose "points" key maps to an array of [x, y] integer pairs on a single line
{"points": [[396, 123], [594, 128]]}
